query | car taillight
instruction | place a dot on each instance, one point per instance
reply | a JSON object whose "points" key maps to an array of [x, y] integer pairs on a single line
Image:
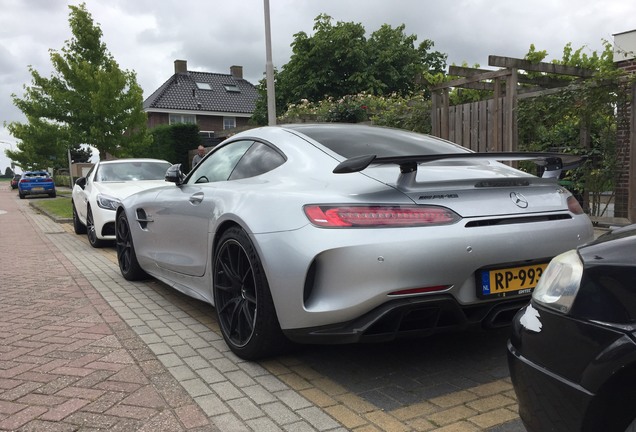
{"points": [[378, 216], [574, 206], [48, 180]]}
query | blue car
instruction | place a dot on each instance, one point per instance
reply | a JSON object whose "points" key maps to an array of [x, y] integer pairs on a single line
{"points": [[36, 183]]}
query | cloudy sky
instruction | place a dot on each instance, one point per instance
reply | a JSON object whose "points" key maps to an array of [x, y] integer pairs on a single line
{"points": [[146, 36]]}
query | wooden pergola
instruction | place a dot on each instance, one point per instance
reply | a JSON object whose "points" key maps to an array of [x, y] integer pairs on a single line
{"points": [[490, 125]]}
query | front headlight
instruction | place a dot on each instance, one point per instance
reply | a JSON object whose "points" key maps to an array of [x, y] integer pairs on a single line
{"points": [[107, 202], [560, 282]]}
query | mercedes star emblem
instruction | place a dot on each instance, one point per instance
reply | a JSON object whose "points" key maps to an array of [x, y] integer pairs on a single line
{"points": [[519, 200]]}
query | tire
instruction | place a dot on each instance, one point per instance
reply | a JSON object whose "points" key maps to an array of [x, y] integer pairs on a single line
{"points": [[631, 427], [21, 195], [91, 233], [126, 256], [52, 195], [78, 226], [243, 301]]}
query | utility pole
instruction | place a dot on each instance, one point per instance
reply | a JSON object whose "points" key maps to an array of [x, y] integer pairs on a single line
{"points": [[269, 70]]}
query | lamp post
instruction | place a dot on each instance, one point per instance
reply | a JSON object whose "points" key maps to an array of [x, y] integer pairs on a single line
{"points": [[269, 70], [70, 167]]}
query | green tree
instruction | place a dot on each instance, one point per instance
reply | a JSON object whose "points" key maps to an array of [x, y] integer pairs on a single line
{"points": [[80, 154], [578, 119], [394, 63], [87, 100], [332, 62], [173, 143], [338, 60]]}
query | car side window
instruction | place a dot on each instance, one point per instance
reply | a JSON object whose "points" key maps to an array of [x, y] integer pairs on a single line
{"points": [[259, 159], [219, 165]]}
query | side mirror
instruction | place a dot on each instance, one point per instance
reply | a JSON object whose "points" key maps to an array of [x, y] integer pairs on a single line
{"points": [[174, 174], [81, 182]]}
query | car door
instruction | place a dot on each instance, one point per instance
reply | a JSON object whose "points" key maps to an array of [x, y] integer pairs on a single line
{"points": [[81, 199], [185, 215]]}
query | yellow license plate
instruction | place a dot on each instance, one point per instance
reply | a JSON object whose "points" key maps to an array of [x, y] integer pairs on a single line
{"points": [[511, 280], [37, 188]]}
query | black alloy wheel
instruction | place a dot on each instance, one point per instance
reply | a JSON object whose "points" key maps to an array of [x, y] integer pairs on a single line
{"points": [[78, 226], [243, 302], [126, 256], [91, 231]]}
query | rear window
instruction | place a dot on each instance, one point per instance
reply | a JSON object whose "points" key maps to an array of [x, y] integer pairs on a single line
{"points": [[350, 140], [36, 174]]}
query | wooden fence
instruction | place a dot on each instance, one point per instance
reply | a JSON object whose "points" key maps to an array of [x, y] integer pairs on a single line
{"points": [[480, 126]]}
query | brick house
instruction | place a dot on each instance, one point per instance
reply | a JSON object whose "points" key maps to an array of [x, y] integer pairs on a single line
{"points": [[215, 102]]}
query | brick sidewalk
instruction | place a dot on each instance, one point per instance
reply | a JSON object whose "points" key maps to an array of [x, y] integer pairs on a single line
{"points": [[67, 361]]}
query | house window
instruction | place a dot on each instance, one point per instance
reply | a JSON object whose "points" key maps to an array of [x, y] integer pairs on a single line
{"points": [[232, 88], [229, 122], [203, 86], [182, 118]]}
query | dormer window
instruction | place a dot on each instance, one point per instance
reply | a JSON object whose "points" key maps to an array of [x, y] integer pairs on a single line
{"points": [[203, 86], [232, 88]]}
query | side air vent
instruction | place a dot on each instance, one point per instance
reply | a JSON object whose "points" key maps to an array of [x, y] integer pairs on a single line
{"points": [[517, 220], [142, 219]]}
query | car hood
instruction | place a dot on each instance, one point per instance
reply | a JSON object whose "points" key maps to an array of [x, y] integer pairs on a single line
{"points": [[476, 188], [122, 190]]}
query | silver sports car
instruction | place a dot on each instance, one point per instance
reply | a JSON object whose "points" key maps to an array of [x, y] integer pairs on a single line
{"points": [[334, 233]]}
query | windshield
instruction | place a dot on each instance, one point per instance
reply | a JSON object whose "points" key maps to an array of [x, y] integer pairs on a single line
{"points": [[131, 171]]}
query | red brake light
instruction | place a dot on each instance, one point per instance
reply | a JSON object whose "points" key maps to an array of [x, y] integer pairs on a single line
{"points": [[574, 206], [378, 216]]}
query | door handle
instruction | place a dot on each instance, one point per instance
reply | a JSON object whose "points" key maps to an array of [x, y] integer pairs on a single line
{"points": [[196, 198]]}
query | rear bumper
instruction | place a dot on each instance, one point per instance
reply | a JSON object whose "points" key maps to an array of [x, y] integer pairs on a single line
{"points": [[44, 190], [411, 317], [329, 278]]}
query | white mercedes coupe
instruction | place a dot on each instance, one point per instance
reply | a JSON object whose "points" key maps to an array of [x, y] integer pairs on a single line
{"points": [[96, 196]]}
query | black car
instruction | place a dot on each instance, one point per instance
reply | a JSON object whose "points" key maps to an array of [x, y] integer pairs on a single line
{"points": [[572, 352]]}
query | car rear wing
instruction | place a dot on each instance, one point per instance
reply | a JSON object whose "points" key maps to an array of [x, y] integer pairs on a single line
{"points": [[553, 163]]}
